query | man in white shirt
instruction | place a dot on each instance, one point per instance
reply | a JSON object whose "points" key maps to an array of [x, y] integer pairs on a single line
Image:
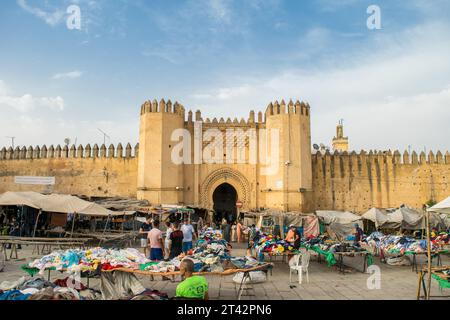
{"points": [[188, 235]]}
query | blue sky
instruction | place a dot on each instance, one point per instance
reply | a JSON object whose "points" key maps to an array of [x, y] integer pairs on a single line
{"points": [[225, 57]]}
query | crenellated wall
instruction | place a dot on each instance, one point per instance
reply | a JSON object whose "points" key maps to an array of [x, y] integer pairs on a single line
{"points": [[357, 182], [96, 171]]}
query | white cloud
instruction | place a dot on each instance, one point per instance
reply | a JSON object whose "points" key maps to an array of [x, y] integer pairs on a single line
{"points": [[51, 18], [27, 102], [391, 95], [68, 75], [219, 10]]}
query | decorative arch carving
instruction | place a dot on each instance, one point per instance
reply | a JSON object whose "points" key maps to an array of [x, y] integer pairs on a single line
{"points": [[225, 175]]}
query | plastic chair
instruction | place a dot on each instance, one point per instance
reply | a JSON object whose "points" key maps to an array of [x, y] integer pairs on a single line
{"points": [[301, 263]]}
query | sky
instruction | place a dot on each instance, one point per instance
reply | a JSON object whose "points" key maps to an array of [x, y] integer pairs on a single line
{"points": [[226, 57]]}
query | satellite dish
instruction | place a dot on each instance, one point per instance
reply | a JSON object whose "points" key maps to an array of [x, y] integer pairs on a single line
{"points": [[67, 141], [316, 147]]}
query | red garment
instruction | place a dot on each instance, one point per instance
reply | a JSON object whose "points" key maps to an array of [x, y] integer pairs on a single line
{"points": [[63, 283], [107, 266]]}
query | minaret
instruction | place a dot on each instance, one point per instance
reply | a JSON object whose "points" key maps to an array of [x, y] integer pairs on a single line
{"points": [[340, 143]]}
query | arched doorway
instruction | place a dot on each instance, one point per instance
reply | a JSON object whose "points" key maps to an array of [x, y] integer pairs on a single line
{"points": [[224, 198]]}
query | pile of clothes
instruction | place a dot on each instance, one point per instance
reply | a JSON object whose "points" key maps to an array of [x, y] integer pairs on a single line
{"points": [[273, 245], [209, 257], [392, 244], [325, 243], [37, 288], [210, 234], [440, 239], [77, 260]]}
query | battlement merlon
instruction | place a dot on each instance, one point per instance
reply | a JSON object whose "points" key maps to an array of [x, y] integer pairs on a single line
{"points": [[30, 153], [273, 109], [388, 157]]}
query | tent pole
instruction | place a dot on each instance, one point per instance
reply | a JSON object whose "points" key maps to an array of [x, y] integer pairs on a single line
{"points": [[36, 223], [427, 216], [106, 225], [73, 224]]}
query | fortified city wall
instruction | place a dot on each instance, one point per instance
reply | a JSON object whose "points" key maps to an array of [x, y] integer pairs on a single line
{"points": [[357, 182], [95, 172]]}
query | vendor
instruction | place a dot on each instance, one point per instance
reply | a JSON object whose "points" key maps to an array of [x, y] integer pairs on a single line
{"points": [[192, 287], [358, 234], [293, 237]]}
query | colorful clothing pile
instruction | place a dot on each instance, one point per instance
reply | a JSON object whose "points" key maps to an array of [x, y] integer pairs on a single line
{"points": [[440, 239], [273, 245], [210, 235], [391, 244], [37, 288], [89, 260]]}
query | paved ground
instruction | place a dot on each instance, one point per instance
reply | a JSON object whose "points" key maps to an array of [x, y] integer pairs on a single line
{"points": [[397, 282]]}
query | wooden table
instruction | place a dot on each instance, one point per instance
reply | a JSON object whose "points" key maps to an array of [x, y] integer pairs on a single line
{"points": [[436, 253], [422, 283], [341, 255], [246, 274], [40, 244]]}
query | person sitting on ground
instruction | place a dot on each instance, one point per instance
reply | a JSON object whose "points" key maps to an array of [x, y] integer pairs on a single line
{"points": [[188, 235], [156, 243], [175, 241], [192, 287], [143, 231]]}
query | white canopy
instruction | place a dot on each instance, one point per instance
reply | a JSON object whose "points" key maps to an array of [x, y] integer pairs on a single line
{"points": [[17, 199], [342, 217], [377, 216], [441, 207], [342, 223], [55, 203]]}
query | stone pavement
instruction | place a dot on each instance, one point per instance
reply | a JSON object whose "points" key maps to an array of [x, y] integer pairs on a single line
{"points": [[397, 282]]}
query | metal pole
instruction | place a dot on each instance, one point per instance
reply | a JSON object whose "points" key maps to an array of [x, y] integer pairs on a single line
{"points": [[36, 223], [427, 215], [73, 224]]}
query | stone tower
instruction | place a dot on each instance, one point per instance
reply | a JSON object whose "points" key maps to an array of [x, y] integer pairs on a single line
{"points": [[291, 187], [340, 143], [159, 179]]}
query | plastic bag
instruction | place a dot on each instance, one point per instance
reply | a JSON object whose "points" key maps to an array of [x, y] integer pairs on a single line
{"points": [[255, 277]]}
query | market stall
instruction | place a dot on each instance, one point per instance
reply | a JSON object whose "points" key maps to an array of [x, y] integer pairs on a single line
{"points": [[339, 253], [396, 249], [340, 224]]}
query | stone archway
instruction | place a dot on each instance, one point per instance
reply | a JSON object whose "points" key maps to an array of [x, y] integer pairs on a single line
{"points": [[224, 199], [219, 177]]}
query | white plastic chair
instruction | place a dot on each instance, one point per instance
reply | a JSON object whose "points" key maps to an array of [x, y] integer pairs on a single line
{"points": [[301, 263]]}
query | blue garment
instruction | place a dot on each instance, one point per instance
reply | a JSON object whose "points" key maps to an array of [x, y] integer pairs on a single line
{"points": [[156, 254], [14, 295], [187, 246]]}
